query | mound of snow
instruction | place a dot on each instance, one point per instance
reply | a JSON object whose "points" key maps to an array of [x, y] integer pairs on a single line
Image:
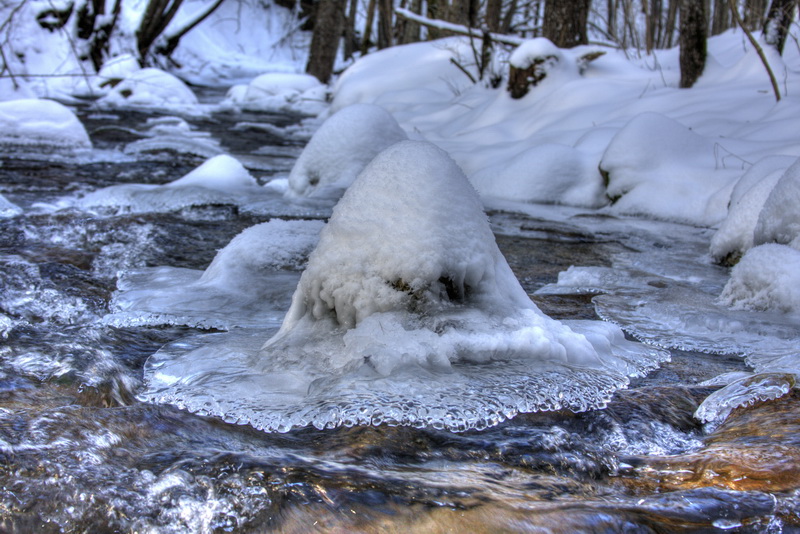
{"points": [[298, 93], [341, 148], [150, 88], [42, 123], [657, 167], [736, 233], [406, 314], [766, 278], [546, 173], [220, 180], [779, 220]]}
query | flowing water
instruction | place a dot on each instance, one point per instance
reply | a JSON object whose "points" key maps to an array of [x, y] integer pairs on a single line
{"points": [[80, 453]]}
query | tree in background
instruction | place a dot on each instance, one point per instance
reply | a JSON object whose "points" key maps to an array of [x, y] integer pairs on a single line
{"points": [[693, 36], [565, 22], [328, 28], [776, 25]]}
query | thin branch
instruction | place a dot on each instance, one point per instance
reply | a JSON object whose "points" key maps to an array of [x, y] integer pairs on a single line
{"points": [[760, 52], [456, 28]]}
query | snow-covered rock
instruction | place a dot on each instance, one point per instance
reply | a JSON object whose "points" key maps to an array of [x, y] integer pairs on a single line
{"points": [[299, 93], [779, 220], [41, 123], [341, 148], [150, 87], [766, 278]]}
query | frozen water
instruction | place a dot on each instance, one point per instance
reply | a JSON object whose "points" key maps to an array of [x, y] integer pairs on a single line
{"points": [[743, 392], [8, 208], [249, 283], [406, 314], [341, 148]]}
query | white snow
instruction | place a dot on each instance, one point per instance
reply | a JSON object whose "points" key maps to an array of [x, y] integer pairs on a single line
{"points": [[41, 123], [298, 93], [779, 220], [150, 88], [8, 208], [341, 148], [766, 278]]}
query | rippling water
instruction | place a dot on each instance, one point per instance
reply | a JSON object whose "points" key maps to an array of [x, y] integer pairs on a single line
{"points": [[79, 452]]}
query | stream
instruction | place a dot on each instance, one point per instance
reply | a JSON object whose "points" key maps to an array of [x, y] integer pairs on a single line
{"points": [[80, 453]]}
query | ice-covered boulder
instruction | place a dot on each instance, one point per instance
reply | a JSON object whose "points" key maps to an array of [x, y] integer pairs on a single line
{"points": [[736, 233], [407, 313], [766, 278], [39, 124], [150, 88], [549, 173], [8, 208], [779, 220], [341, 148]]}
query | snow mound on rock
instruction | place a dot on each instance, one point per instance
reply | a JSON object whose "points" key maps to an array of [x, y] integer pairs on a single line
{"points": [[406, 314]]}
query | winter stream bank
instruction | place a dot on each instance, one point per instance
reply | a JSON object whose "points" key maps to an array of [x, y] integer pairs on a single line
{"points": [[80, 452]]}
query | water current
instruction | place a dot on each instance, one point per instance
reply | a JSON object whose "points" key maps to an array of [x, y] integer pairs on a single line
{"points": [[79, 452]]}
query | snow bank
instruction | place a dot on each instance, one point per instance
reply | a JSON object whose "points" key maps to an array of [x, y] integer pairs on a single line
{"points": [[407, 313], [547, 173], [766, 278], [298, 93], [36, 125], [657, 167], [150, 88], [779, 220], [341, 148]]}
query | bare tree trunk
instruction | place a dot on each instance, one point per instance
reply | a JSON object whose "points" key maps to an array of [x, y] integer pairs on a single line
{"points": [[611, 28], [437, 9], [156, 18], [779, 19], [508, 19], [350, 41], [98, 36], [694, 33], [325, 39], [494, 9], [174, 39], [669, 29], [754, 14], [411, 28], [385, 13], [565, 22], [367, 37]]}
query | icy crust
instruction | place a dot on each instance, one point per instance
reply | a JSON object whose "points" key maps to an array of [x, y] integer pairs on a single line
{"points": [[216, 375], [406, 314], [249, 283], [38, 127], [341, 148], [743, 392]]}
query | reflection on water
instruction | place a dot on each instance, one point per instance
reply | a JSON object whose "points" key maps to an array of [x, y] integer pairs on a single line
{"points": [[79, 453]]}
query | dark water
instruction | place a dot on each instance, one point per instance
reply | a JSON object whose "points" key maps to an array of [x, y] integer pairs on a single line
{"points": [[79, 453]]}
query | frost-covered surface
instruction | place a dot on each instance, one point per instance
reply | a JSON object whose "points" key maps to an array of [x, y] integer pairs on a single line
{"points": [[341, 148], [150, 88], [744, 392], [297, 93], [249, 283], [40, 126], [422, 323]]}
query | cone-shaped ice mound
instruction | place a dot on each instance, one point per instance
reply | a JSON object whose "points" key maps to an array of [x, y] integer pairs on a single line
{"points": [[406, 314]]}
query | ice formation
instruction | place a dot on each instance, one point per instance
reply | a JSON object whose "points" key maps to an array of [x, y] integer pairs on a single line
{"points": [[406, 314], [249, 283], [8, 208], [341, 148]]}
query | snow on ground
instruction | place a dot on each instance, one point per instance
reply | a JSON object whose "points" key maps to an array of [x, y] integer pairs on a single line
{"points": [[281, 92], [150, 88]]}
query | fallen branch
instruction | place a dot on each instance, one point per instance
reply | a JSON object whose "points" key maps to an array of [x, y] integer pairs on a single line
{"points": [[456, 28], [758, 50]]}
